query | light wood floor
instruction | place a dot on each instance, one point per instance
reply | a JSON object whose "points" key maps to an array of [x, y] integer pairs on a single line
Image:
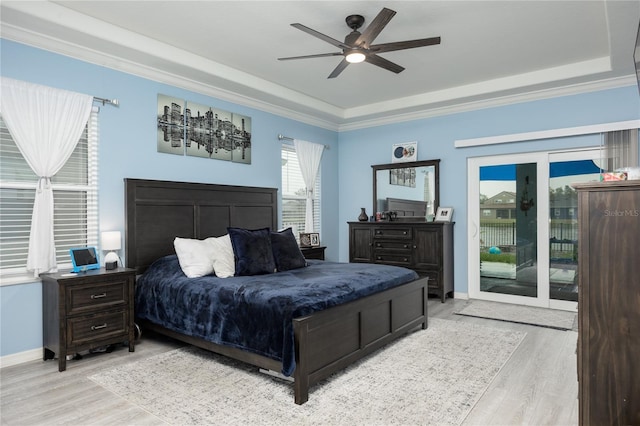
{"points": [[537, 386]]}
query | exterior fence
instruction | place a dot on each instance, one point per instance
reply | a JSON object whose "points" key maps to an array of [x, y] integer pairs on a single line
{"points": [[563, 237]]}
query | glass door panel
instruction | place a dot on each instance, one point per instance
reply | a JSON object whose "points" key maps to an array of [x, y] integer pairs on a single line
{"points": [[508, 229], [523, 237], [563, 219]]}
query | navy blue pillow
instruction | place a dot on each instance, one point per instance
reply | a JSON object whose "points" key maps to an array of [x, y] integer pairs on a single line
{"points": [[286, 252], [252, 251]]}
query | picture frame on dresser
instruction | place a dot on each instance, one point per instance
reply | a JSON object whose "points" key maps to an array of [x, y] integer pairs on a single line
{"points": [[305, 239], [443, 214]]}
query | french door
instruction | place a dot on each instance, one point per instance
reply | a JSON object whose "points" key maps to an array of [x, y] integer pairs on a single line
{"points": [[522, 222]]}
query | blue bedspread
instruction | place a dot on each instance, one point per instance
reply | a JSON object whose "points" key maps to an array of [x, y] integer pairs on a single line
{"points": [[255, 313]]}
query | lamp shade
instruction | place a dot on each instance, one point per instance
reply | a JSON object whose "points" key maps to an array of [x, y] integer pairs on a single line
{"points": [[111, 240]]}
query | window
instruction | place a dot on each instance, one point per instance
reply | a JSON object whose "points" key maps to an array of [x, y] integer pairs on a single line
{"points": [[293, 194], [75, 192]]}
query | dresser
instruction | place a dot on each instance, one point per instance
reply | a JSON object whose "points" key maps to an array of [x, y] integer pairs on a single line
{"points": [[425, 247], [86, 310], [609, 303]]}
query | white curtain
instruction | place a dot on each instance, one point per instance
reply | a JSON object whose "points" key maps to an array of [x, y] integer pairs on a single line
{"points": [[46, 124], [309, 155], [621, 149]]}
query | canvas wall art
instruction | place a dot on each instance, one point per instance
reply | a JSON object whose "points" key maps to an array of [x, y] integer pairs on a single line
{"points": [[197, 130], [170, 125]]}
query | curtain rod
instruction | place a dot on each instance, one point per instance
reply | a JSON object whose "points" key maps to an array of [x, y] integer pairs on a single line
{"points": [[105, 101], [287, 138]]}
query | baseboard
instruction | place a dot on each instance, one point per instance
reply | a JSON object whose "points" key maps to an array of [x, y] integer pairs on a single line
{"points": [[21, 357], [464, 296]]}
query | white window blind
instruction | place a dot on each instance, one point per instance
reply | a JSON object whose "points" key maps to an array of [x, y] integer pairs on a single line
{"points": [[75, 191], [293, 194]]}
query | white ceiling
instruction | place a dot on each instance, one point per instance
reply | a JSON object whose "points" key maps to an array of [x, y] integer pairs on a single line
{"points": [[492, 52]]}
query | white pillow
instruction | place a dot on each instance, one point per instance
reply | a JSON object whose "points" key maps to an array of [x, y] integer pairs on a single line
{"points": [[195, 256], [224, 263]]}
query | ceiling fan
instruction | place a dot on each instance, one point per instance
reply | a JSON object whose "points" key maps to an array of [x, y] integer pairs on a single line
{"points": [[357, 46]]}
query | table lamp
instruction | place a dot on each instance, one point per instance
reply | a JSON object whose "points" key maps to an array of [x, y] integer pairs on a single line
{"points": [[110, 241]]}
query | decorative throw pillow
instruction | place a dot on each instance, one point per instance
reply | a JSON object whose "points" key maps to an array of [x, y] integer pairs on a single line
{"points": [[195, 256], [223, 261], [252, 251], [286, 251]]}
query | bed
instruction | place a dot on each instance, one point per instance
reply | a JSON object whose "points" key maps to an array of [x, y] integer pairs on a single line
{"points": [[324, 339]]}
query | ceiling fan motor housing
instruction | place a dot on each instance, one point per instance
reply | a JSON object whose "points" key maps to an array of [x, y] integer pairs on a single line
{"points": [[351, 38], [354, 21]]}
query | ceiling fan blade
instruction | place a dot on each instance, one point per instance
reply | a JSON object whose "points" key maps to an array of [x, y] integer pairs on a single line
{"points": [[321, 36], [383, 63], [319, 55], [375, 27], [401, 45], [341, 66]]}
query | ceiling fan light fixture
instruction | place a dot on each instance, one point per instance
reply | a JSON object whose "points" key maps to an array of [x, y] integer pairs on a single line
{"points": [[355, 57]]}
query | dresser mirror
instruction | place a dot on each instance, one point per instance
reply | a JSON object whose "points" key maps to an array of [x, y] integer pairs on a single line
{"points": [[406, 191]]}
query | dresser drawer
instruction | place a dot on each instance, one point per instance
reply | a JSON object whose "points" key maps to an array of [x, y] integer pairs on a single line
{"points": [[393, 259], [96, 327], [400, 232], [88, 297], [434, 278], [392, 245]]}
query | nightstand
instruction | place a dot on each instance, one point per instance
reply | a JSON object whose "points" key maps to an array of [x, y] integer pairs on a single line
{"points": [[86, 310], [313, 252]]}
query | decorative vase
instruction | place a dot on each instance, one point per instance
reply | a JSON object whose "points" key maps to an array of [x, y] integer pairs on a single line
{"points": [[363, 215]]}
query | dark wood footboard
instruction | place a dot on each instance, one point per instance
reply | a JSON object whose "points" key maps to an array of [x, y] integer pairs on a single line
{"points": [[330, 340]]}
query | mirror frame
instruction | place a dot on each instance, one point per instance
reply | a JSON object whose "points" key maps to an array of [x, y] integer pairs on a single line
{"points": [[434, 163]]}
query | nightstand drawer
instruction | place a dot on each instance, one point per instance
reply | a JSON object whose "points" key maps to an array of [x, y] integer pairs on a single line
{"points": [[95, 327], [313, 252], [87, 297]]}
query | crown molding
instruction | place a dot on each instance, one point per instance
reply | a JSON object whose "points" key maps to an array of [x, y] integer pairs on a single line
{"points": [[185, 70], [75, 51], [435, 111]]}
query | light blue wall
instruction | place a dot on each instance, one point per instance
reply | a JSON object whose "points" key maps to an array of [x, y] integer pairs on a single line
{"points": [[359, 149], [128, 150]]}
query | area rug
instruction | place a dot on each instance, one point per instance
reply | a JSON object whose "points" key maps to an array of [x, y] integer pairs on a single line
{"points": [[429, 377], [543, 317]]}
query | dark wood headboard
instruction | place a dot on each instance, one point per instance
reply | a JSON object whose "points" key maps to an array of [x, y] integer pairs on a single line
{"points": [[407, 207], [158, 211]]}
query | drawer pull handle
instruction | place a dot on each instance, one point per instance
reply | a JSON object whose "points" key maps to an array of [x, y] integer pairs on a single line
{"points": [[404, 233], [98, 327], [98, 296]]}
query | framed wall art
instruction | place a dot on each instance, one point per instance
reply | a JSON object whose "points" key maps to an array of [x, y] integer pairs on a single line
{"points": [[170, 125], [197, 130], [403, 152]]}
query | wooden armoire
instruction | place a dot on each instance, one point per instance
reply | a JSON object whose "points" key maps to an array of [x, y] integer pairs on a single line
{"points": [[609, 303]]}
